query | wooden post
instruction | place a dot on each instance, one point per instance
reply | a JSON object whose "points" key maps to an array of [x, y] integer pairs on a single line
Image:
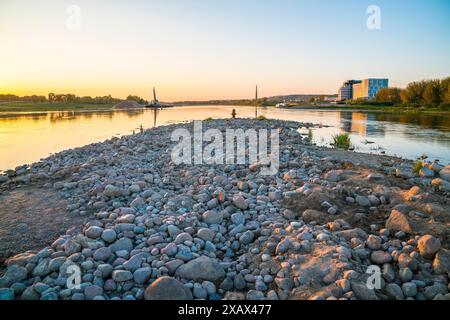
{"points": [[256, 102]]}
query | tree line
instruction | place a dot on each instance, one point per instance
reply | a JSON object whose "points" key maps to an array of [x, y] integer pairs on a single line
{"points": [[427, 93], [68, 98]]}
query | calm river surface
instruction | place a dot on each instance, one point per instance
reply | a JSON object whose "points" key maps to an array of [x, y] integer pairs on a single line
{"points": [[26, 138]]}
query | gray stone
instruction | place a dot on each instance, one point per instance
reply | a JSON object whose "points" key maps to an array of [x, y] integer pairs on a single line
{"points": [[394, 291], [30, 294], [362, 292], [247, 237], [166, 288], [409, 289], [112, 191], [206, 234], [437, 288], [405, 274], [212, 217], [109, 235], [362, 201], [173, 265], [239, 282], [102, 254], [373, 242], [142, 275], [441, 263], [238, 218], [122, 244], [380, 257], [240, 202], [171, 249], [6, 294], [122, 275], [42, 269], [201, 268], [254, 295], [283, 246], [182, 237], [92, 291], [14, 273], [94, 232], [133, 263], [445, 173]]}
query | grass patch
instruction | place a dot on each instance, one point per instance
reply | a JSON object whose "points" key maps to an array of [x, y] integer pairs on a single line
{"points": [[418, 165], [262, 118], [342, 141], [47, 106], [209, 119], [310, 135]]}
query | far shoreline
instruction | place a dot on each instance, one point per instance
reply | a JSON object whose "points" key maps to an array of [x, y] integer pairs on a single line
{"points": [[35, 108]]}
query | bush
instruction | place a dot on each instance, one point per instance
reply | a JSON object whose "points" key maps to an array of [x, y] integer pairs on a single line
{"points": [[342, 141], [262, 118], [418, 165]]}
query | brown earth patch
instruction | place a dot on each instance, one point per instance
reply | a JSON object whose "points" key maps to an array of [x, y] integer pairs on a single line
{"points": [[31, 218]]}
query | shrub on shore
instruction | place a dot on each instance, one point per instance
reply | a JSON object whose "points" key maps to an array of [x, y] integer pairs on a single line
{"points": [[418, 165], [342, 141], [262, 118]]}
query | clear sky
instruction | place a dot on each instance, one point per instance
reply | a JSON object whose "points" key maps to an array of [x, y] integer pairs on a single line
{"points": [[205, 49]]}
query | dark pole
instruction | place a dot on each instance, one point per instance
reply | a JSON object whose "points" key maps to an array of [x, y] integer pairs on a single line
{"points": [[256, 102]]}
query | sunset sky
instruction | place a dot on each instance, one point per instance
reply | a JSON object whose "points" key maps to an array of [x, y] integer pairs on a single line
{"points": [[209, 49]]}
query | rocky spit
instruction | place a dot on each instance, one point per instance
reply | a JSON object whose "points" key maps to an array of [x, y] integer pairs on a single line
{"points": [[156, 230]]}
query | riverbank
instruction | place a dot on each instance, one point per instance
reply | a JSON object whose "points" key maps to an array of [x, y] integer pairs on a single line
{"points": [[25, 107], [371, 108], [160, 230]]}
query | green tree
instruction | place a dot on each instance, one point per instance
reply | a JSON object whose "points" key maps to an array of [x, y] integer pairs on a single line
{"points": [[413, 92], [446, 96], [136, 99], [389, 95], [432, 92], [445, 87]]}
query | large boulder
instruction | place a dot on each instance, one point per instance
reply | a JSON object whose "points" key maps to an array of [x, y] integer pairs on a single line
{"points": [[441, 263], [14, 273], [167, 288], [428, 246], [202, 268], [445, 173], [122, 244], [398, 222], [313, 215]]}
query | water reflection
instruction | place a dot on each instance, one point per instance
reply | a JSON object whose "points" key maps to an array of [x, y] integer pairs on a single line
{"points": [[25, 138], [363, 124]]}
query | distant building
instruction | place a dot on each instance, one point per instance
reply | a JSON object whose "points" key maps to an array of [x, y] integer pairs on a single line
{"points": [[346, 90], [361, 89], [368, 88]]}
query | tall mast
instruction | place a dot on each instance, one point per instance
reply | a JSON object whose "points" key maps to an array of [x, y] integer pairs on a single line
{"points": [[154, 94], [256, 102]]}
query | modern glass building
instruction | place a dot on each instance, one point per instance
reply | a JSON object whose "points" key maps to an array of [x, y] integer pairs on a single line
{"points": [[346, 90], [368, 88]]}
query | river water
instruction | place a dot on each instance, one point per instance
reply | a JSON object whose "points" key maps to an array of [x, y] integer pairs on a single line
{"points": [[27, 138]]}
